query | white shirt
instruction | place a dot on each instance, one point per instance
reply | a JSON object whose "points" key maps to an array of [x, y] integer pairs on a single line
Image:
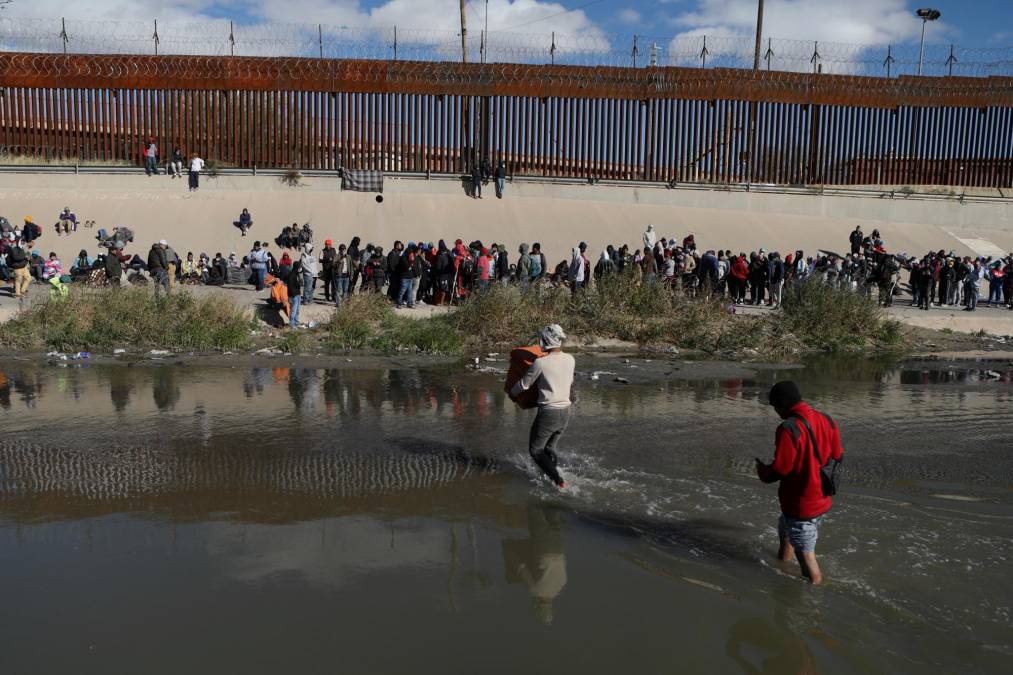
{"points": [[197, 164], [554, 375]]}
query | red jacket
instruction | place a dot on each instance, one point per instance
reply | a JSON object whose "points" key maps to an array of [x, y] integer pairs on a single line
{"points": [[739, 268], [801, 491]]}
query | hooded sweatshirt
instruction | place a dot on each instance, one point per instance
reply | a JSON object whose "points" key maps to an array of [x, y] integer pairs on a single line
{"points": [[308, 260], [576, 265]]}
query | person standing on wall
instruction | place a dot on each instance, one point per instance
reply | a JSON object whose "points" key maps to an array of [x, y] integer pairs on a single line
{"points": [[806, 455], [151, 158], [500, 176], [476, 180], [196, 166]]}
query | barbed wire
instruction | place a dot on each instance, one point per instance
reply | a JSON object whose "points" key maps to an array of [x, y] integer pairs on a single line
{"points": [[225, 38], [113, 71]]}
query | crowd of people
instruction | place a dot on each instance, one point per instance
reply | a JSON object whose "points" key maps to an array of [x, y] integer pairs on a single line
{"points": [[438, 273]]}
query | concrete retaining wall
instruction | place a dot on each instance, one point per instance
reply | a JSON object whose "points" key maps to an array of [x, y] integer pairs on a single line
{"points": [[559, 216]]}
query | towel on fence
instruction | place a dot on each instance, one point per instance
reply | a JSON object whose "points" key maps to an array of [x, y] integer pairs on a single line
{"points": [[362, 181]]}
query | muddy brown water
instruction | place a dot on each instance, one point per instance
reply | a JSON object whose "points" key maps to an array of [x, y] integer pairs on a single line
{"points": [[167, 518]]}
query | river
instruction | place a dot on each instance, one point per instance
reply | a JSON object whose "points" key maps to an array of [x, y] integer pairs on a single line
{"points": [[170, 518]]}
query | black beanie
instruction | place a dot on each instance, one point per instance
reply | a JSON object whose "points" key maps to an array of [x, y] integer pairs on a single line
{"points": [[785, 394]]}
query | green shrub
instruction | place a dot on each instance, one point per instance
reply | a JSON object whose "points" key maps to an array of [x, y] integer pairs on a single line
{"points": [[293, 342], [103, 319], [434, 335], [353, 324], [828, 319]]}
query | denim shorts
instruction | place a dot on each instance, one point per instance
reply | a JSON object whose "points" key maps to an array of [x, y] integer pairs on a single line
{"points": [[802, 533]]}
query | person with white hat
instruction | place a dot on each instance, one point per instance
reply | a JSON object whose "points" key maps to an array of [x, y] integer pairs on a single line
{"points": [[553, 375]]}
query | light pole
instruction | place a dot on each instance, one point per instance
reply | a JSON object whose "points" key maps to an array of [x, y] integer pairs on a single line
{"points": [[759, 32], [926, 14]]}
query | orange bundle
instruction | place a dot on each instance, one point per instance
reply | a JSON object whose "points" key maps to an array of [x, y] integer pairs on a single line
{"points": [[521, 359]]}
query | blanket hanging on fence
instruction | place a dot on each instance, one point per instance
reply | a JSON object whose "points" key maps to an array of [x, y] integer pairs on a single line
{"points": [[362, 181]]}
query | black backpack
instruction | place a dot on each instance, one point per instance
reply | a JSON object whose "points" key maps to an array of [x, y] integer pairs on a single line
{"points": [[829, 473], [467, 268]]}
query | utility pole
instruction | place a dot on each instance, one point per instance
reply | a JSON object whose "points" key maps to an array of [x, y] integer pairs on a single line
{"points": [[464, 32], [753, 108], [759, 33]]}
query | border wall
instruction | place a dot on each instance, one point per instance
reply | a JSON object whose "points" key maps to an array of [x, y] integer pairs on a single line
{"points": [[654, 124]]}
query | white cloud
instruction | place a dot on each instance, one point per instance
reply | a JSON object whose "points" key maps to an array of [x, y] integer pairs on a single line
{"points": [[629, 16], [854, 21], [843, 30], [287, 26]]}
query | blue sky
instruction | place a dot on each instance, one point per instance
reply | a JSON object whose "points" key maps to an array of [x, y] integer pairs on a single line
{"points": [[969, 23]]}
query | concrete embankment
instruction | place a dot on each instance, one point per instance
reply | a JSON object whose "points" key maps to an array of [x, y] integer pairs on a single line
{"points": [[559, 216]]}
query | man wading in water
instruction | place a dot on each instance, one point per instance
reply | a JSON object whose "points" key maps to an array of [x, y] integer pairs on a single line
{"points": [[553, 373], [805, 441]]}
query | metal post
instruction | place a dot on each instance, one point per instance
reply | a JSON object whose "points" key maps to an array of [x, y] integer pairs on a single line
{"points": [[770, 52], [759, 33], [232, 40], [921, 47], [634, 51], [320, 39], [155, 37], [552, 49], [889, 59], [485, 34], [704, 53], [63, 34], [464, 32], [815, 60], [950, 61], [395, 43]]}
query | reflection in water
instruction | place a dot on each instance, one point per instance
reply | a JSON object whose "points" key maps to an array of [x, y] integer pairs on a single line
{"points": [[780, 645], [538, 561], [166, 387]]}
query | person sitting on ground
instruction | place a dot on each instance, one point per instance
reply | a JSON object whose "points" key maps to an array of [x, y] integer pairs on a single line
{"points": [[218, 271], [82, 265], [52, 272], [203, 267], [36, 264], [188, 271], [66, 222], [30, 232], [237, 272], [245, 222]]}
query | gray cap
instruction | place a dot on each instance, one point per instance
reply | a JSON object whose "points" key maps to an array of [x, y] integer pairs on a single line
{"points": [[552, 336]]}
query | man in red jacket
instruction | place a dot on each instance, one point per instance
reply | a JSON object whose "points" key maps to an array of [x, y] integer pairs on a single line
{"points": [[805, 441]]}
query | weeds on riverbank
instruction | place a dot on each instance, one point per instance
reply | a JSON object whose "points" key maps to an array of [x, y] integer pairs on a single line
{"points": [[827, 319], [617, 308], [815, 318], [96, 320], [368, 322]]}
